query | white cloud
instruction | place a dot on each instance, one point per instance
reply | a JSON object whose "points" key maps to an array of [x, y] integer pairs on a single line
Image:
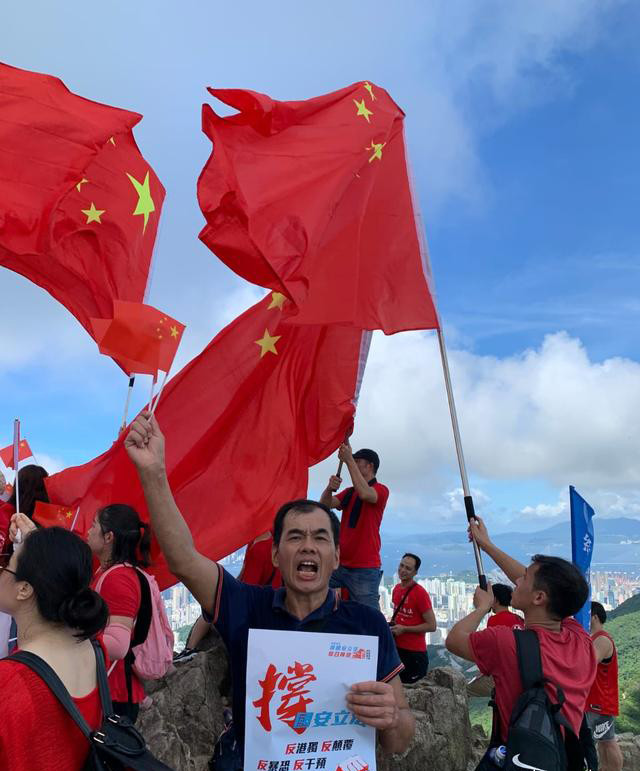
{"points": [[548, 413]]}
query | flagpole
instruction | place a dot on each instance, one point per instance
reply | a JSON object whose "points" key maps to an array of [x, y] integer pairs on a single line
{"points": [[468, 500], [155, 404], [132, 380], [16, 459], [153, 385], [75, 519]]}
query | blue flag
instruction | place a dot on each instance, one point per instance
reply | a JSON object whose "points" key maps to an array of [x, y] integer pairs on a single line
{"points": [[582, 546]]}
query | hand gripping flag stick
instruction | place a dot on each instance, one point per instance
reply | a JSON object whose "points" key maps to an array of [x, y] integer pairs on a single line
{"points": [[468, 500]]}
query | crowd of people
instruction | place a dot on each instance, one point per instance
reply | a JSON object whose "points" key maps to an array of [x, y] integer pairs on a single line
{"points": [[312, 571]]}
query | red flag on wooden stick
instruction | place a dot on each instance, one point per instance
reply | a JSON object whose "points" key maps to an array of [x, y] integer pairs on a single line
{"points": [[243, 422], [313, 199], [79, 205]]}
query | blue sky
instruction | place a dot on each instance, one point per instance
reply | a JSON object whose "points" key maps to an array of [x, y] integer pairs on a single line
{"points": [[522, 123]]}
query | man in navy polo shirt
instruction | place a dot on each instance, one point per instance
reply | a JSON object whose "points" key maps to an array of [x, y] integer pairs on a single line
{"points": [[362, 507], [305, 549]]}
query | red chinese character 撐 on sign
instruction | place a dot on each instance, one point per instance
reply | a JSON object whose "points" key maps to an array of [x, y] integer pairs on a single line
{"points": [[294, 698]]}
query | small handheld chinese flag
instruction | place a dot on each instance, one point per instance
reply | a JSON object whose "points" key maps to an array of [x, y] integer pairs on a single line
{"points": [[50, 515], [24, 451], [139, 337]]}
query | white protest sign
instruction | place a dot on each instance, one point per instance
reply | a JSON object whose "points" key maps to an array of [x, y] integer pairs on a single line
{"points": [[296, 715]]}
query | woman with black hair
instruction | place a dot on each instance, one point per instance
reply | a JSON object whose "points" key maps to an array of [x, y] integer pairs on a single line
{"points": [[31, 484], [121, 542], [44, 585]]}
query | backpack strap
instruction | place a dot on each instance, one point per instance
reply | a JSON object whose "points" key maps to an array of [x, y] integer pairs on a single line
{"points": [[140, 632], [531, 674], [529, 662]]}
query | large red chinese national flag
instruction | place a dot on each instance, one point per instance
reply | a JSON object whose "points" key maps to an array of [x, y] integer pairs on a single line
{"points": [[79, 205], [243, 422], [313, 199]]}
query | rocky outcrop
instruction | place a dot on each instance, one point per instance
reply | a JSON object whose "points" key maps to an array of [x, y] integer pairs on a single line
{"points": [[186, 708], [185, 717], [630, 746]]}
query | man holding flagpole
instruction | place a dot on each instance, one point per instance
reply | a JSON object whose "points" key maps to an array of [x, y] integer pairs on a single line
{"points": [[362, 507]]}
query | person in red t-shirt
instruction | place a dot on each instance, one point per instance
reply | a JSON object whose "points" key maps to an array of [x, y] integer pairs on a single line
{"points": [[412, 618], [45, 587], [603, 703], [121, 542], [482, 685], [548, 592], [362, 508], [501, 615]]}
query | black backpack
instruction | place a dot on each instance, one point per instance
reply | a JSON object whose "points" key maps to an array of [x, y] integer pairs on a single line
{"points": [[118, 745], [535, 740]]}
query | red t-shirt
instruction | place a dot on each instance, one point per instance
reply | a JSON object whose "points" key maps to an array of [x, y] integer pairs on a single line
{"points": [[6, 512], [410, 614], [505, 618], [568, 660], [257, 568], [121, 591], [603, 697], [360, 545], [36, 732]]}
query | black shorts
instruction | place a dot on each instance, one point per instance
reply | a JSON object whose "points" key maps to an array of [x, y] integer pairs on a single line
{"points": [[416, 664], [602, 726]]}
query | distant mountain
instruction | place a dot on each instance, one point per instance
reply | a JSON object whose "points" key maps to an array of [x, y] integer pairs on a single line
{"points": [[617, 547]]}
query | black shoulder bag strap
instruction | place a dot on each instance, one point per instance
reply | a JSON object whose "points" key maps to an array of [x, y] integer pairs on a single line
{"points": [[46, 673], [530, 666], [140, 632], [529, 662], [401, 603]]}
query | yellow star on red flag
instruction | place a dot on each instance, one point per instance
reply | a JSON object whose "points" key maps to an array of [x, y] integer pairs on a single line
{"points": [[93, 214], [277, 301], [377, 150], [268, 343], [362, 109]]}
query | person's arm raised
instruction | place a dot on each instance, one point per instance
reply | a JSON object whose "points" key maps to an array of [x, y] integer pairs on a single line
{"points": [[328, 498], [512, 568], [145, 447], [360, 484]]}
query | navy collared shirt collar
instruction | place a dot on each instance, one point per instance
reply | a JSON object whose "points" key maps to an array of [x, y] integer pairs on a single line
{"points": [[326, 609]]}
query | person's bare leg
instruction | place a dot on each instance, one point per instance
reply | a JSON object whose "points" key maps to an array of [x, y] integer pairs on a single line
{"points": [[610, 755]]}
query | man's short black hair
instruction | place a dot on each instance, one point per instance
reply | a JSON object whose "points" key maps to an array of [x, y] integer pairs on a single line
{"points": [[502, 593], [597, 609], [304, 506], [368, 455], [414, 557], [563, 583]]}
